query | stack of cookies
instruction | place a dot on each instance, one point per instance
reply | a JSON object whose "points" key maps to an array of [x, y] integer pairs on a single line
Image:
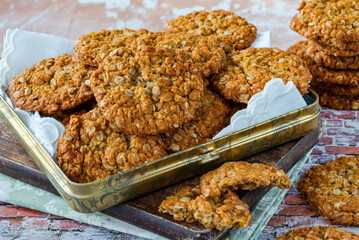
{"points": [[128, 97], [332, 51]]}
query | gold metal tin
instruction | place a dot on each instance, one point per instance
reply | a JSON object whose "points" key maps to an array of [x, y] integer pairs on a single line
{"points": [[106, 192]]}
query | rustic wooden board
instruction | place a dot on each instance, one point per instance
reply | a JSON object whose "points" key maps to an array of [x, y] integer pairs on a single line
{"points": [[142, 211]]}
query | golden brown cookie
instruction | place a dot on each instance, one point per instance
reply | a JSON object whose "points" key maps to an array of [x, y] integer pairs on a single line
{"points": [[207, 57], [179, 205], [242, 175], [333, 22], [317, 233], [329, 50], [209, 119], [148, 91], [227, 30], [322, 74], [92, 48], [52, 85], [221, 212], [246, 72], [332, 189], [91, 149], [342, 77], [339, 63], [335, 89], [339, 102]]}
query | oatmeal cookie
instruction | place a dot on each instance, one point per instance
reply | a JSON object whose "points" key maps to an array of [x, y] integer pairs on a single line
{"points": [[93, 47], [335, 89], [91, 149], [146, 92], [179, 205], [342, 77], [339, 63], [318, 232], [227, 30], [340, 102], [242, 175], [209, 119], [333, 51], [333, 22], [219, 212], [332, 188], [208, 57], [52, 85], [246, 72], [322, 74]]}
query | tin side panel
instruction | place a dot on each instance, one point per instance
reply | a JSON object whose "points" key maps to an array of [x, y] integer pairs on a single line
{"points": [[173, 168]]}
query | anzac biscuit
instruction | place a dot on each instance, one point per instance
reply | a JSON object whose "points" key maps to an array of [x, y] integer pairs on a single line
{"points": [[91, 149], [208, 57], [52, 85], [335, 89], [209, 119], [226, 29], [221, 212], [332, 188], [242, 175], [92, 48], [322, 74], [340, 102], [146, 92], [318, 232], [179, 205], [246, 72], [309, 50], [333, 51], [342, 77], [333, 22], [299, 49]]}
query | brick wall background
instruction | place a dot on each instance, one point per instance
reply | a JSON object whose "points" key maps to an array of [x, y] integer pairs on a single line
{"points": [[341, 137], [26, 224]]}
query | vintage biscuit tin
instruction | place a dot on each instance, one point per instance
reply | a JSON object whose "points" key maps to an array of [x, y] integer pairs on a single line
{"points": [[106, 192]]}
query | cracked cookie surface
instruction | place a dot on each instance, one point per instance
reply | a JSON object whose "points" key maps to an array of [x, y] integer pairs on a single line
{"points": [[147, 91], [227, 30], [221, 212], [92, 48], [209, 119], [332, 189], [52, 85], [92, 149], [246, 72], [207, 57], [242, 175]]}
